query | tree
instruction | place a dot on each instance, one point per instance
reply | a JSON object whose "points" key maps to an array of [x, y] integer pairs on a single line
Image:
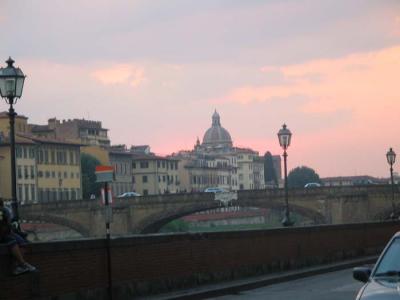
{"points": [[89, 184], [300, 176], [269, 170]]}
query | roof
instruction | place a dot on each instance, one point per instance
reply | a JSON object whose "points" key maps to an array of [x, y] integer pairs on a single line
{"points": [[4, 114], [216, 135]]}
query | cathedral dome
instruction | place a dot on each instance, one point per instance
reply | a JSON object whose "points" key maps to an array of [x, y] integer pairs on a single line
{"points": [[217, 136]]}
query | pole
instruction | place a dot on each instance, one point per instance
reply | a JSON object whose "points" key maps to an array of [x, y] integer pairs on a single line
{"points": [[392, 184], [14, 202], [107, 217], [286, 221]]}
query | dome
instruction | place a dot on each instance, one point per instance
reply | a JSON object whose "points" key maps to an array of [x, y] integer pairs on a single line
{"points": [[217, 136]]}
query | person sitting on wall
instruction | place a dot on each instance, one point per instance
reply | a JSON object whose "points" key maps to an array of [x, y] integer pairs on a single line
{"points": [[13, 241]]}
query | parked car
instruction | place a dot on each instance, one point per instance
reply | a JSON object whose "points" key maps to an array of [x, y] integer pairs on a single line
{"points": [[128, 194], [214, 190], [312, 184], [381, 281]]}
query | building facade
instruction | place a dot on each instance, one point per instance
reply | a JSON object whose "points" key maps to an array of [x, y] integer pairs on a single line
{"points": [[83, 131], [217, 163], [47, 169]]}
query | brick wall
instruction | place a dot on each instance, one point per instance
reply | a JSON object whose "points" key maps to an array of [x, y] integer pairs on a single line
{"points": [[155, 263]]}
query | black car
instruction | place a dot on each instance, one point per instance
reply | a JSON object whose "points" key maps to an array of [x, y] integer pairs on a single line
{"points": [[382, 282]]}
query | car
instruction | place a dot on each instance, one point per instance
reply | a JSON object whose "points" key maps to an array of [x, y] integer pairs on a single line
{"points": [[312, 184], [214, 190], [128, 194], [382, 280]]}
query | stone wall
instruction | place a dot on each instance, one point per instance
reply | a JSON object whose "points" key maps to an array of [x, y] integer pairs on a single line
{"points": [[148, 264]]}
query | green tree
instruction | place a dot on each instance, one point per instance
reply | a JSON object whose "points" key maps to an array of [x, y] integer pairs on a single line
{"points": [[89, 185], [269, 170], [300, 176]]}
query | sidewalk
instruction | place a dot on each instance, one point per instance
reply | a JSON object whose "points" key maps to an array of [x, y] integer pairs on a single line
{"points": [[235, 286]]}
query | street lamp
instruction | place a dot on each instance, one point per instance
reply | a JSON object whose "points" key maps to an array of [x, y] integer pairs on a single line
{"points": [[11, 85], [284, 136], [391, 158]]}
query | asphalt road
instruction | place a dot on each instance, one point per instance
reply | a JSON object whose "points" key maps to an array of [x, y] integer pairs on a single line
{"points": [[338, 285]]}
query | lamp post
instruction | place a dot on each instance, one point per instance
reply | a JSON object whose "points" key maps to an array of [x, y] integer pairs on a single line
{"points": [[284, 136], [391, 158], [11, 85]]}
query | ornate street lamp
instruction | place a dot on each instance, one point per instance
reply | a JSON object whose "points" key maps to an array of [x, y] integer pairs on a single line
{"points": [[285, 136], [391, 158], [11, 85]]}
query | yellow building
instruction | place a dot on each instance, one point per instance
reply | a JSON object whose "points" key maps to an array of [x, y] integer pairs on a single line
{"points": [[154, 174], [46, 170]]}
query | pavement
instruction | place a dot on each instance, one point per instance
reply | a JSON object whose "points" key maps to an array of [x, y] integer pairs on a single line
{"points": [[236, 286]]}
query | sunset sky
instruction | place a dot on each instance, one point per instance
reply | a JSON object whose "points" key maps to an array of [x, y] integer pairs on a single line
{"points": [[154, 71]]}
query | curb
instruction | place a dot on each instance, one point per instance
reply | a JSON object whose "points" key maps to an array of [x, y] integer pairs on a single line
{"points": [[237, 286]]}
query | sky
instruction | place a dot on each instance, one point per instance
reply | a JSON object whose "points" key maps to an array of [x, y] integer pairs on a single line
{"points": [[153, 72]]}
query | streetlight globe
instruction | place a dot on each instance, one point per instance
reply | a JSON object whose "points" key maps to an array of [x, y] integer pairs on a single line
{"points": [[284, 136], [391, 157], [11, 82]]}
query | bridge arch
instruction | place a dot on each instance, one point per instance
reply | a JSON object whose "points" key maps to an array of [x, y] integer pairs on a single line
{"points": [[156, 221], [45, 218]]}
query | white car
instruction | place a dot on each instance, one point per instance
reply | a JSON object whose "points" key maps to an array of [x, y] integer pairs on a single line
{"points": [[312, 184], [128, 194], [214, 190]]}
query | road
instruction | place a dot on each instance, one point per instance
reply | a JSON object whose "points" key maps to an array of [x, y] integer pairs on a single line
{"points": [[338, 285]]}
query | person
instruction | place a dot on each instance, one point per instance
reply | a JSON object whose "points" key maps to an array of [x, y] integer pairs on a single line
{"points": [[13, 241]]}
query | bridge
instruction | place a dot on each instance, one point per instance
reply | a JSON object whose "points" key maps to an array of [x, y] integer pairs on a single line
{"points": [[147, 214]]}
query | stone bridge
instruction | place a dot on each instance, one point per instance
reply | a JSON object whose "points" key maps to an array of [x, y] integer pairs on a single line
{"points": [[147, 214]]}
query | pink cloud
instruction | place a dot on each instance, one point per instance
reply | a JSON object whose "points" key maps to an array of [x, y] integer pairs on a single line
{"points": [[120, 74]]}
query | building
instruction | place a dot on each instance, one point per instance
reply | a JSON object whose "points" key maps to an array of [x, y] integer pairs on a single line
{"points": [[154, 174], [84, 131], [47, 169], [120, 159], [217, 163]]}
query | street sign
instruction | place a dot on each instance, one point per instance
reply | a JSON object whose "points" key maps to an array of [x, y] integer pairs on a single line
{"points": [[104, 173]]}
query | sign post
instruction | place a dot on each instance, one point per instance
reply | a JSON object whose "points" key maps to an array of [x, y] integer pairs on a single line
{"points": [[105, 174]]}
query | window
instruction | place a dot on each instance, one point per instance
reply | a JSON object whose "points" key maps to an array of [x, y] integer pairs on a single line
{"points": [[158, 164], [19, 172], [144, 164], [133, 179], [33, 194], [72, 174], [31, 153], [52, 157], [32, 172], [26, 173], [65, 175], [71, 157], [19, 195], [46, 156], [40, 173], [159, 178], [144, 178], [47, 174], [163, 164], [163, 178], [145, 192], [53, 174], [133, 165], [25, 152], [18, 152], [27, 198]]}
